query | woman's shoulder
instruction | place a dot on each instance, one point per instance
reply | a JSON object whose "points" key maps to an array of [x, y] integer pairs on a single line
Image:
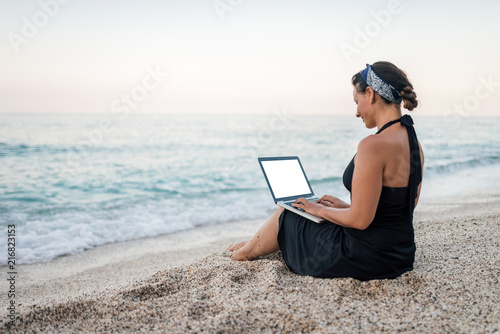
{"points": [[387, 140], [370, 149], [372, 143], [381, 148]]}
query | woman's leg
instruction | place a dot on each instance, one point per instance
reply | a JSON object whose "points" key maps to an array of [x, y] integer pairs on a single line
{"points": [[264, 242]]}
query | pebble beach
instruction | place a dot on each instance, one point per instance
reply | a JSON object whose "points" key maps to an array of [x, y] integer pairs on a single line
{"points": [[168, 284]]}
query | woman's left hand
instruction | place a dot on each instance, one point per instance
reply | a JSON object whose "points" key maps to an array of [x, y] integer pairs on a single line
{"points": [[309, 207]]}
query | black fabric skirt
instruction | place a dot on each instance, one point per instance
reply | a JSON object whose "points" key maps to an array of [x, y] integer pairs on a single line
{"points": [[328, 250]]}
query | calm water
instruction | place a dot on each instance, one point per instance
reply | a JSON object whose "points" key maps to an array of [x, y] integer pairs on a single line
{"points": [[71, 182]]}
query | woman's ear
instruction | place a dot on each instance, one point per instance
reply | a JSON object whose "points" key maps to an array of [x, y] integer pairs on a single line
{"points": [[370, 94]]}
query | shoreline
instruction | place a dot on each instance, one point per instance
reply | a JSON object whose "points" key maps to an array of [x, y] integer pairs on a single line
{"points": [[108, 267], [107, 271]]}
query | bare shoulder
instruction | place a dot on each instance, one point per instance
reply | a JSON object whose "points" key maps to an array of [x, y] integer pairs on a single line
{"points": [[371, 145], [370, 151]]}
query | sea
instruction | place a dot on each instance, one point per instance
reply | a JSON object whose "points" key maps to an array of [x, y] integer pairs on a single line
{"points": [[71, 182]]}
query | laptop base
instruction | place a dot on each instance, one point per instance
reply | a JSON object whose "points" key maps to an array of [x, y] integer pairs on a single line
{"points": [[301, 213]]}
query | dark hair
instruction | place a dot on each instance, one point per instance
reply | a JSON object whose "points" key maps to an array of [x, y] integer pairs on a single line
{"points": [[394, 76]]}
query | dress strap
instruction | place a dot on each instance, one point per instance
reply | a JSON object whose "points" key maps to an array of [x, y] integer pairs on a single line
{"points": [[415, 162], [388, 124]]}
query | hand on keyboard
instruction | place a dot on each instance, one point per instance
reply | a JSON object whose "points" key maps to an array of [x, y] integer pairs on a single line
{"points": [[310, 199]]}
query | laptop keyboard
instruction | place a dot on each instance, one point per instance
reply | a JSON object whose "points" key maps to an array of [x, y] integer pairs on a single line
{"points": [[310, 199]]}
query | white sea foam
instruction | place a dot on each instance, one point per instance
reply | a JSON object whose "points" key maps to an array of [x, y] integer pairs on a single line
{"points": [[71, 233], [460, 181]]}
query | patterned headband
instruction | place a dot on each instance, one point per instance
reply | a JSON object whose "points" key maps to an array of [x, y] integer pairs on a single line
{"points": [[380, 86]]}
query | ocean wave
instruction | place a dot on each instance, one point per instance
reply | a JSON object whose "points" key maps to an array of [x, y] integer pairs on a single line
{"points": [[456, 166], [63, 231], [26, 149], [13, 149], [28, 199], [238, 189], [326, 180], [80, 149]]}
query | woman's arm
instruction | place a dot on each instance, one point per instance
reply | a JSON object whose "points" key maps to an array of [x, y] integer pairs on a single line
{"points": [[422, 163], [366, 189]]}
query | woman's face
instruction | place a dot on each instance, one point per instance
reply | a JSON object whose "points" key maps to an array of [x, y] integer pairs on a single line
{"points": [[364, 109]]}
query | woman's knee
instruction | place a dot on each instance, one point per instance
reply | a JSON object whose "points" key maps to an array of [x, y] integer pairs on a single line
{"points": [[278, 212]]}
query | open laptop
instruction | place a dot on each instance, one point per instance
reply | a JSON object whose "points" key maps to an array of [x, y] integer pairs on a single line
{"points": [[287, 181]]}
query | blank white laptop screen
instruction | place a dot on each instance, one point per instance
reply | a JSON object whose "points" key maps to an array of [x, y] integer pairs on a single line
{"points": [[286, 178]]}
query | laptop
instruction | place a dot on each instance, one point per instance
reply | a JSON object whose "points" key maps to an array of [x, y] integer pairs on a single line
{"points": [[287, 181]]}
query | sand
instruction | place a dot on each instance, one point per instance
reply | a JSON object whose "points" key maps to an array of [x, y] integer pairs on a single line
{"points": [[186, 283]]}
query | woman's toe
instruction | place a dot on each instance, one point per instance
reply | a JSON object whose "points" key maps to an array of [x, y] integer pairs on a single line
{"points": [[236, 246]]}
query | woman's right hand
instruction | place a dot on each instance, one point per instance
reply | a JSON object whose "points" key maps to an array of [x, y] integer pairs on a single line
{"points": [[333, 202]]}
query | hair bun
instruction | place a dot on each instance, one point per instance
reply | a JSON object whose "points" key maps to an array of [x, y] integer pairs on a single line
{"points": [[409, 98]]}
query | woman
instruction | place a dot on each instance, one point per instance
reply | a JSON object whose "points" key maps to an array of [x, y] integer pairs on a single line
{"points": [[371, 238]]}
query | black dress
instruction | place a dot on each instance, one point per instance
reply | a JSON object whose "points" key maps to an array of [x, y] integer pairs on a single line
{"points": [[385, 249]]}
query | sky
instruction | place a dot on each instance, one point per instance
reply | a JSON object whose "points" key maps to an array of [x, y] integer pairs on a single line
{"points": [[243, 57]]}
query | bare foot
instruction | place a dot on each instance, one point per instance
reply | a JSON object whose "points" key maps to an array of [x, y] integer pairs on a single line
{"points": [[236, 246], [241, 255], [245, 253]]}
